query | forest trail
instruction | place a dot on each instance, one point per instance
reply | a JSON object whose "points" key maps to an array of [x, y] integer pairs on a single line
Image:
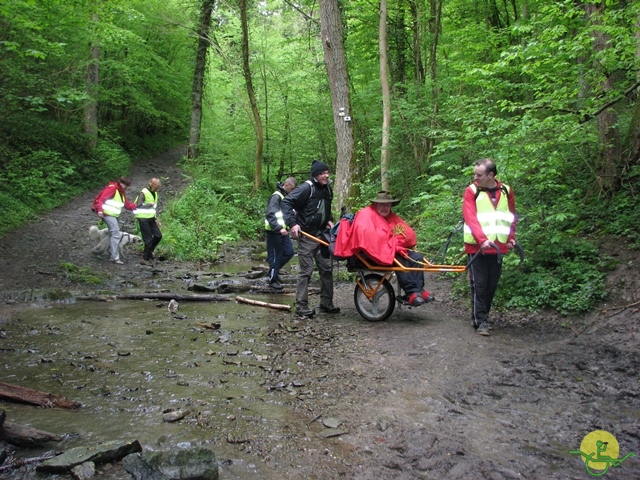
{"points": [[31, 257], [420, 395]]}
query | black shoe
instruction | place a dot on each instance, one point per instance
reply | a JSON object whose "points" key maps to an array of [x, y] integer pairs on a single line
{"points": [[275, 285], [415, 299], [329, 309], [483, 329], [305, 312]]}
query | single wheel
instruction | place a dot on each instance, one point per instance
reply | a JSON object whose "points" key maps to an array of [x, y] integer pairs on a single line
{"points": [[381, 306]]}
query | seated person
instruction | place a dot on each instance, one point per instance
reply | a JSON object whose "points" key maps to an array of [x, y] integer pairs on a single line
{"points": [[383, 236]]}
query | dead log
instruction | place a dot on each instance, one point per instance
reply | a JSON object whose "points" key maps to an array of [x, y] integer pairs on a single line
{"points": [[179, 297], [26, 461], [264, 304], [35, 397], [266, 290], [25, 436], [222, 287]]}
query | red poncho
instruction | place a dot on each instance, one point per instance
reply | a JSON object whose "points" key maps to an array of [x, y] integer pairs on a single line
{"points": [[380, 238]]}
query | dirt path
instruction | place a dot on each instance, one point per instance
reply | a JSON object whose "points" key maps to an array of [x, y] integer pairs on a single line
{"points": [[31, 257], [420, 395]]}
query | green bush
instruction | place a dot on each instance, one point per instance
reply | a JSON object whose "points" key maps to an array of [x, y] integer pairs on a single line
{"points": [[568, 277], [209, 214]]}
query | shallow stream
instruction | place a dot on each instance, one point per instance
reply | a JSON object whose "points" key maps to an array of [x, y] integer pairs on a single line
{"points": [[129, 361]]}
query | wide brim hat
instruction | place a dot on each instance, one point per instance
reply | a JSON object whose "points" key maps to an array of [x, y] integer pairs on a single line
{"points": [[385, 197]]}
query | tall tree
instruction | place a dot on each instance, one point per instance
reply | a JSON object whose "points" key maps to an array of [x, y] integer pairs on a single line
{"points": [[90, 110], [336, 65], [632, 141], [386, 95], [607, 120], [257, 123], [199, 77]]}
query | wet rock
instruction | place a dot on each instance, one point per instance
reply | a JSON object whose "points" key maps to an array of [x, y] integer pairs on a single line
{"points": [[175, 415], [101, 453], [84, 471], [331, 422], [191, 464]]}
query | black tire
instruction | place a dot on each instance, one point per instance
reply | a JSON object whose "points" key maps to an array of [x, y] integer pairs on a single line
{"points": [[383, 303]]}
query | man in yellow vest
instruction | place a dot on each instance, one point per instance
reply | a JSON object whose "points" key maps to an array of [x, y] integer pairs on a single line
{"points": [[279, 245], [108, 205], [145, 213], [489, 213]]}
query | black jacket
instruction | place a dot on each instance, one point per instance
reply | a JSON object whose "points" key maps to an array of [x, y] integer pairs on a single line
{"points": [[273, 207], [309, 206]]}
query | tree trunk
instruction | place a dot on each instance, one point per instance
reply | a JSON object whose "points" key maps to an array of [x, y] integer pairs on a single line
{"points": [[198, 78], [632, 140], [160, 296], [92, 81], [17, 393], [336, 64], [257, 123], [607, 120], [26, 436], [435, 25], [386, 96]]}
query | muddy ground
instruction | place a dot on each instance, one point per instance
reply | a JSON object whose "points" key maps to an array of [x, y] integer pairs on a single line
{"points": [[417, 396]]}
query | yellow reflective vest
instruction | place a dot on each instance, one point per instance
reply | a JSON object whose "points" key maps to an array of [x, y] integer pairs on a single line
{"points": [[278, 214], [113, 206], [148, 209], [495, 222]]}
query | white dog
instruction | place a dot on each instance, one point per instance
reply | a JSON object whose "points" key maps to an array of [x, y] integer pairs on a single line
{"points": [[102, 237]]}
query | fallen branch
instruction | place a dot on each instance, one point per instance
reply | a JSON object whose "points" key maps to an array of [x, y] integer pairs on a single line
{"points": [[622, 308], [179, 297], [26, 436], [26, 461], [258, 303], [35, 397]]}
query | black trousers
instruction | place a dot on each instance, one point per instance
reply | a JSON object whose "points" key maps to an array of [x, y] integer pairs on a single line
{"points": [[151, 236], [412, 281], [484, 274]]}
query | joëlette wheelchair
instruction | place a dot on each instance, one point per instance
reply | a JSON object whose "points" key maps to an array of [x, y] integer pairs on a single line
{"points": [[374, 295]]}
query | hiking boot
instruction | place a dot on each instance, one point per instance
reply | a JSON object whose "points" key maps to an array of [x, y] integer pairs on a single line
{"points": [[118, 262], [145, 262], [427, 297], [305, 312], [275, 284], [415, 300], [483, 329], [329, 309]]}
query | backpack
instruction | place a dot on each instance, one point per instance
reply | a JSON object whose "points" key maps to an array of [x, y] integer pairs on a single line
{"points": [[331, 235]]}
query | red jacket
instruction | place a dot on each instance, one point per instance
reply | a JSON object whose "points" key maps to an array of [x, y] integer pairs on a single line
{"points": [[109, 192], [469, 214], [378, 237]]}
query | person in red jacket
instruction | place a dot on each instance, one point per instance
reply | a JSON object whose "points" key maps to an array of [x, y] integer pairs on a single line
{"points": [[489, 213], [108, 205], [384, 237]]}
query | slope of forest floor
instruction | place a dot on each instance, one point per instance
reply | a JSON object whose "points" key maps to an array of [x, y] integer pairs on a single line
{"points": [[420, 395]]}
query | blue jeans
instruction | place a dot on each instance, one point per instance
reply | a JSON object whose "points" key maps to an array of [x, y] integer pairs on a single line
{"points": [[279, 252]]}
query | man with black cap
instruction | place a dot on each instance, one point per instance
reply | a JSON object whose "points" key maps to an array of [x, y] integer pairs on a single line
{"points": [[308, 209]]}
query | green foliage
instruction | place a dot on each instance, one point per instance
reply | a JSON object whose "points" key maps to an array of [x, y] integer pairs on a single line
{"points": [[76, 274], [212, 211], [567, 277], [44, 48]]}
